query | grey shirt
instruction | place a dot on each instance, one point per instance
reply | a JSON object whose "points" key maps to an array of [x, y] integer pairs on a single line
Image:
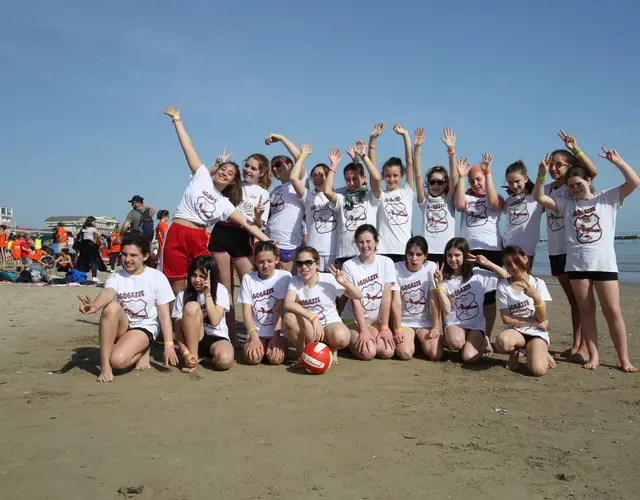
{"points": [[134, 217]]}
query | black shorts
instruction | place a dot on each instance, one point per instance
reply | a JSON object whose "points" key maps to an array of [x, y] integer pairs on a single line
{"points": [[205, 345], [146, 332], [438, 258], [494, 256], [557, 264], [395, 257], [592, 275], [232, 240]]}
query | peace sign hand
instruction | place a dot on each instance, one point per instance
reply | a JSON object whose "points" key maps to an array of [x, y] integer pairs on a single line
{"points": [[259, 209], [339, 276], [206, 286], [377, 130], [222, 158], [438, 275], [478, 259], [543, 166], [449, 138], [529, 291], [86, 305], [569, 141], [612, 156], [418, 137], [170, 111], [462, 166]]}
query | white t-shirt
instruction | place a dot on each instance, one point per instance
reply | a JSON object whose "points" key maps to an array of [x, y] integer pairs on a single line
{"points": [[201, 202], [556, 240], [371, 279], [467, 299], [394, 219], [89, 233], [322, 223], [285, 219], [591, 230], [263, 296], [251, 196], [350, 219], [523, 222], [479, 224], [140, 295], [438, 221], [222, 300], [320, 299], [522, 306], [414, 292]]}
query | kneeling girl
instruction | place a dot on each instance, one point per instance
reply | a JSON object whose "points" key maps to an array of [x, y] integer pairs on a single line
{"points": [[199, 310]]}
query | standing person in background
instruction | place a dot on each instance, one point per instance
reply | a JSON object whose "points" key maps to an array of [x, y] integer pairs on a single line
{"points": [[161, 229], [71, 239], [88, 239], [14, 241], [134, 222], [3, 244], [60, 237], [114, 248], [26, 245], [37, 242]]}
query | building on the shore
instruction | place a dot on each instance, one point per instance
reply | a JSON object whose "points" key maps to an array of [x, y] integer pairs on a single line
{"points": [[72, 223], [6, 216]]}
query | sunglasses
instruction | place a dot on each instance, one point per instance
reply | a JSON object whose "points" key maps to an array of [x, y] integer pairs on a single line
{"points": [[308, 263], [278, 165], [436, 182]]}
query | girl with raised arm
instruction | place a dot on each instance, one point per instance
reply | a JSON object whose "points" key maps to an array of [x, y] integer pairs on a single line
{"points": [[368, 318], [415, 306], [135, 306], [310, 304], [203, 204], [522, 299], [435, 197], [561, 160], [396, 202], [320, 218], [460, 288], [199, 311], [287, 210], [591, 258], [262, 297], [358, 205], [482, 207]]}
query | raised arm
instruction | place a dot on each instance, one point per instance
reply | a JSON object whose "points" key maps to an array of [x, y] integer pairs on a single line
{"points": [[418, 140], [444, 302], [185, 142], [351, 151], [237, 218], [572, 145], [376, 178], [407, 153], [291, 147], [449, 140], [297, 172], [493, 199], [335, 156], [373, 137], [350, 290], [484, 262], [538, 190], [632, 181], [460, 200]]}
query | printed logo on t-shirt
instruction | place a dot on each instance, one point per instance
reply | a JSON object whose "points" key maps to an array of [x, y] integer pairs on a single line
{"points": [[465, 302], [133, 304], [206, 205], [396, 210], [413, 298], [518, 213], [276, 202], [521, 309], [555, 221], [437, 218], [371, 292], [264, 309], [476, 214], [587, 225], [314, 306], [324, 218], [355, 217]]}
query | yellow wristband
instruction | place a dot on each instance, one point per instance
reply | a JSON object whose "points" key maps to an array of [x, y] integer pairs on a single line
{"points": [[185, 351], [312, 317], [539, 305], [252, 329], [579, 153], [167, 344], [439, 289], [303, 156], [177, 117], [384, 327]]}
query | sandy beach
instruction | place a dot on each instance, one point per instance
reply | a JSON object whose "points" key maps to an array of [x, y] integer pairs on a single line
{"points": [[376, 430]]}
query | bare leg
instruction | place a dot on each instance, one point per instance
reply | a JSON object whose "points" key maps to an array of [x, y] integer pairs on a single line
{"points": [[254, 357], [189, 332], [113, 323], [578, 352], [144, 363], [407, 348], [276, 350], [473, 350], [432, 348], [382, 351], [225, 269], [609, 296], [130, 348], [178, 285], [537, 357], [510, 342], [490, 317], [583, 291], [336, 336], [367, 351], [455, 337], [222, 355]]}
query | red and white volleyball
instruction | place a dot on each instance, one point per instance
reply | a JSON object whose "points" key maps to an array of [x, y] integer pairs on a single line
{"points": [[316, 358]]}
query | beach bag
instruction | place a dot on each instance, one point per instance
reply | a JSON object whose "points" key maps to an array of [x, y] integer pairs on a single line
{"points": [[146, 227], [75, 276], [76, 242], [8, 276], [24, 277]]}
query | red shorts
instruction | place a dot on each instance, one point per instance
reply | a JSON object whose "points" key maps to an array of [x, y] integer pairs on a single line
{"points": [[182, 244]]}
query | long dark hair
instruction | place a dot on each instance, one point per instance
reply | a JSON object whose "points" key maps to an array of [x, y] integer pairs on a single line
{"points": [[88, 221], [518, 255], [233, 192], [204, 264], [417, 241], [518, 167], [467, 266], [579, 171]]}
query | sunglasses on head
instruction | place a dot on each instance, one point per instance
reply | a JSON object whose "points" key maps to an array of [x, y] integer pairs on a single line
{"points": [[308, 263], [436, 182], [278, 165]]}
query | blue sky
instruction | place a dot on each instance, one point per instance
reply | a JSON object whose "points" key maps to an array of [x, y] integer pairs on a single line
{"points": [[84, 87]]}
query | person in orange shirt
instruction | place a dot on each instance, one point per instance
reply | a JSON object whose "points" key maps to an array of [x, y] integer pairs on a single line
{"points": [[161, 230], [61, 236], [3, 244], [114, 248]]}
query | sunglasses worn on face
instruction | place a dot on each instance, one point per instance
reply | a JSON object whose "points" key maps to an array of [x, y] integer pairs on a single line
{"points": [[436, 182], [308, 263]]}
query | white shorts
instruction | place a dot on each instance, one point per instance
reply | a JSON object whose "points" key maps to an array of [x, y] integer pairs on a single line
{"points": [[325, 262]]}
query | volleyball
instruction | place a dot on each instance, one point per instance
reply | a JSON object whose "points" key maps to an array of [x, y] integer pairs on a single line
{"points": [[316, 358]]}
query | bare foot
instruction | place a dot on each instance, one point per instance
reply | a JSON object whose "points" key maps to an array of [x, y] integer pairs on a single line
{"points": [[514, 361], [190, 363], [188, 369], [105, 376], [144, 362], [488, 348], [551, 361], [592, 364], [628, 367], [334, 357]]}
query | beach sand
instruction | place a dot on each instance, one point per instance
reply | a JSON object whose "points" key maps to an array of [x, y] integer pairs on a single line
{"points": [[376, 430]]}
